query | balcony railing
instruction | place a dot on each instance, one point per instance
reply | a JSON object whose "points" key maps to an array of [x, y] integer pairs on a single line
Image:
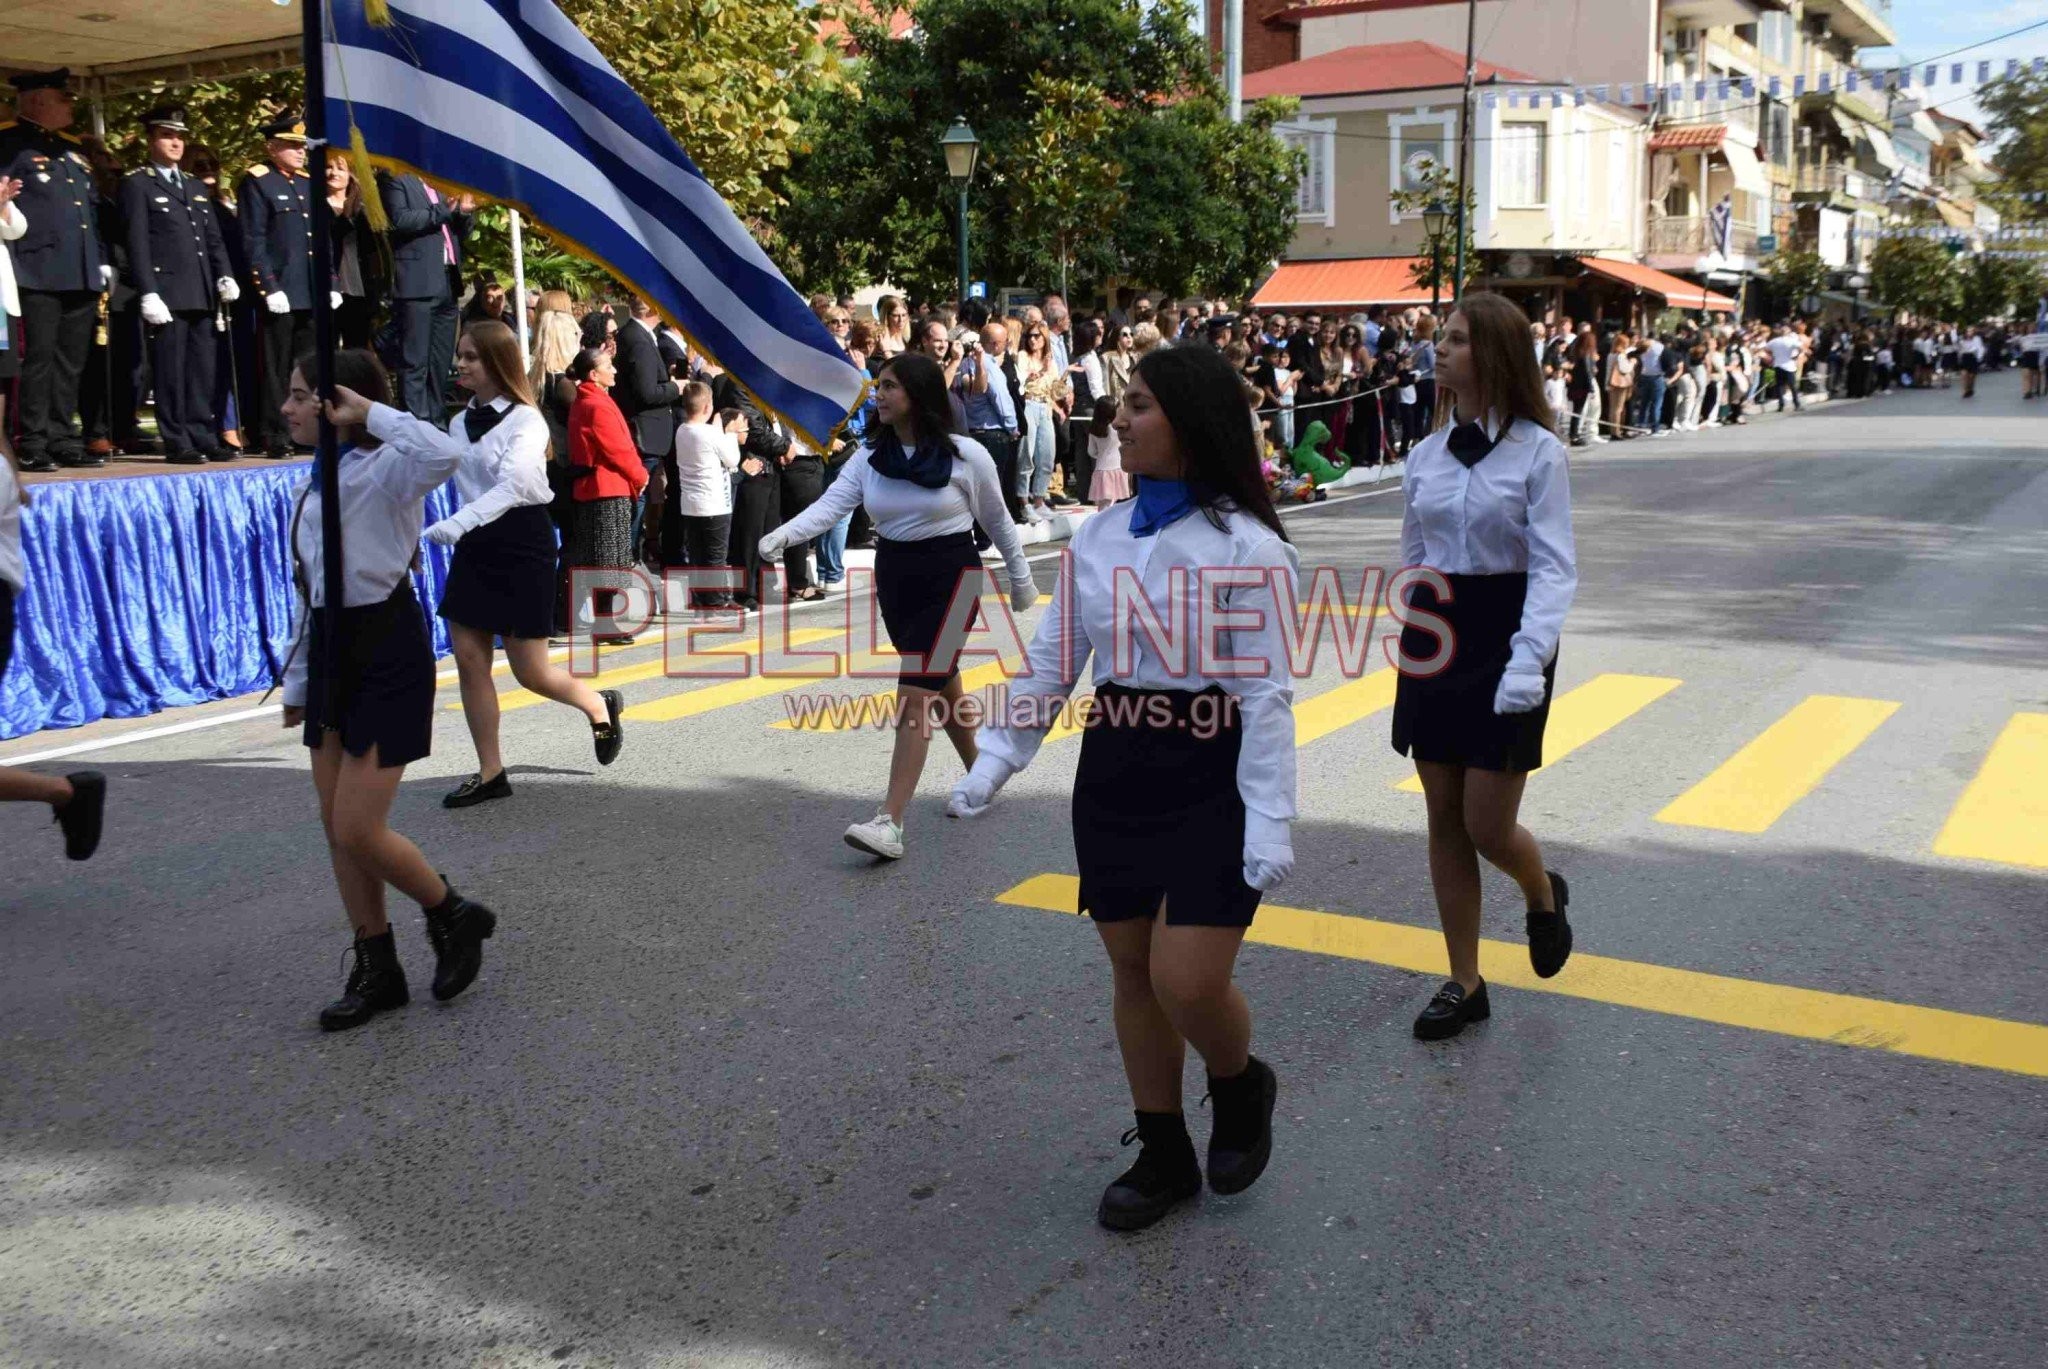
{"points": [[1695, 237], [1736, 112], [1833, 178]]}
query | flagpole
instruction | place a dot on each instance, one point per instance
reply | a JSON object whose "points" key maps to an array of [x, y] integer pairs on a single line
{"points": [[519, 288], [327, 460]]}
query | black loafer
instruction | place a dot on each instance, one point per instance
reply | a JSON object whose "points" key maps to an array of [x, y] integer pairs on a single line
{"points": [[81, 817], [187, 458], [1450, 1010], [476, 789], [1550, 934], [610, 735]]}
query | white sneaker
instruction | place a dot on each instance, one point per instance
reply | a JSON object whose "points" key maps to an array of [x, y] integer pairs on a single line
{"points": [[878, 836]]}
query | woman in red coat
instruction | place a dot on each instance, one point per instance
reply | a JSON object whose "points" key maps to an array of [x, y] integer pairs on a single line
{"points": [[608, 473]]}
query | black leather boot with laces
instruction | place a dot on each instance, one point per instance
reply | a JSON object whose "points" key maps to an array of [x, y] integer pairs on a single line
{"points": [[376, 983], [1166, 1173], [1242, 1140], [457, 931]]}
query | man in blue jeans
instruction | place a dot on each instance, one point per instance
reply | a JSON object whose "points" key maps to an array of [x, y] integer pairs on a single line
{"points": [[1650, 384], [984, 390]]}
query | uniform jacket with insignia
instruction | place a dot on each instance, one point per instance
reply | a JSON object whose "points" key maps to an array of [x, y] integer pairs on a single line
{"points": [[277, 231], [61, 250], [175, 248]]}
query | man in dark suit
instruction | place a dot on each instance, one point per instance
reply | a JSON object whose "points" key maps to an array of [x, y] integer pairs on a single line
{"points": [[277, 237], [757, 503], [647, 395], [182, 271], [427, 230], [59, 265]]}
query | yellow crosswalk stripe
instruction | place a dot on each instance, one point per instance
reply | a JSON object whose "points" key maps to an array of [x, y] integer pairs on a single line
{"points": [[647, 670], [2003, 815], [1783, 1009], [1753, 788], [1580, 715], [1334, 709], [691, 702]]}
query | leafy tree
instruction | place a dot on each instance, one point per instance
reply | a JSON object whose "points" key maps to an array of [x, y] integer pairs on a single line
{"points": [[1917, 275], [1207, 204], [2017, 106], [1440, 186], [1796, 273], [1994, 287], [223, 114], [1068, 180]]}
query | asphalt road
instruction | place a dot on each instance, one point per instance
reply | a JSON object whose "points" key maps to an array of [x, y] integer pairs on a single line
{"points": [[728, 1095]]}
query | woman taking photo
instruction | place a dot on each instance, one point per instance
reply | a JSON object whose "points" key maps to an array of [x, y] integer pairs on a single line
{"points": [[1184, 796], [385, 695], [925, 486], [1489, 510], [1045, 388], [609, 475], [501, 582]]}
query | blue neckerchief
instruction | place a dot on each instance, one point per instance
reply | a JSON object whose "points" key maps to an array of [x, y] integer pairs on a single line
{"points": [[931, 465], [1160, 503]]}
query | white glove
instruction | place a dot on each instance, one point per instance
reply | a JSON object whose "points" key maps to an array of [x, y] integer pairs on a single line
{"points": [[1023, 596], [1521, 689], [1268, 851], [976, 789], [771, 545], [334, 299], [278, 302], [228, 291], [155, 312], [445, 533], [106, 278]]}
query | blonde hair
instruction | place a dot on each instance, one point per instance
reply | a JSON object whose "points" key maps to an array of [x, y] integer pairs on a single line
{"points": [[1144, 338], [556, 340], [555, 302]]}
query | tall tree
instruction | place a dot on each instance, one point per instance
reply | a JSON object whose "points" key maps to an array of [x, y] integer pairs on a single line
{"points": [[1068, 181], [1993, 287], [1916, 275], [2017, 106]]}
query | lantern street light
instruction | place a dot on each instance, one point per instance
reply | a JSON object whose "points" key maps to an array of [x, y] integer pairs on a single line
{"points": [[1433, 216], [962, 150]]}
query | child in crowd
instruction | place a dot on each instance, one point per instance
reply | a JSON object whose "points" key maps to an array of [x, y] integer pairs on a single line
{"points": [[1109, 483], [707, 455], [1554, 396], [1284, 383]]}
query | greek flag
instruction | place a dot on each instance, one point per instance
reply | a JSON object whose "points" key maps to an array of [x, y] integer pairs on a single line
{"points": [[508, 99], [1720, 219]]}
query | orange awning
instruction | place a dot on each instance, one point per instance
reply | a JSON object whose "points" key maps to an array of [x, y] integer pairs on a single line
{"points": [[1678, 293], [1345, 281]]}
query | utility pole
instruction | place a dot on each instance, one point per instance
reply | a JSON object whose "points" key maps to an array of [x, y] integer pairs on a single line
{"points": [[1464, 146], [1233, 57]]}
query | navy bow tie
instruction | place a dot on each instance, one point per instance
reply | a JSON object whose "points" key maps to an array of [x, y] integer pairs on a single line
{"points": [[1470, 444], [479, 419]]}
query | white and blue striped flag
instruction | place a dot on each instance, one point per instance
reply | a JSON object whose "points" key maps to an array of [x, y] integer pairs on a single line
{"points": [[507, 99]]}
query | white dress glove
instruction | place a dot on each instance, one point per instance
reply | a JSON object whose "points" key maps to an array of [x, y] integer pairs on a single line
{"points": [[228, 291], [106, 278], [445, 533], [155, 312], [278, 302], [771, 545], [1521, 689], [977, 788], [1023, 596], [1267, 863], [334, 299]]}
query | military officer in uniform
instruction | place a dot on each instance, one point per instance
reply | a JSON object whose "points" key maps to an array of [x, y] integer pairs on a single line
{"points": [[275, 204], [57, 263], [183, 274]]}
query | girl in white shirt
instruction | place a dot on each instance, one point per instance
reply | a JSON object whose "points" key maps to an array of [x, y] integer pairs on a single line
{"points": [[925, 487], [707, 456], [1185, 793], [367, 725], [1108, 484], [501, 582], [1489, 515]]}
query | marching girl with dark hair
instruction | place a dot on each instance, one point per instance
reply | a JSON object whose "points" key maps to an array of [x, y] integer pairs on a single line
{"points": [[1489, 509], [501, 582], [386, 690], [1184, 799], [925, 486]]}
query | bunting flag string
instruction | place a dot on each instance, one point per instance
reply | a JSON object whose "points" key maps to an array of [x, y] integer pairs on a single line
{"points": [[1668, 96]]}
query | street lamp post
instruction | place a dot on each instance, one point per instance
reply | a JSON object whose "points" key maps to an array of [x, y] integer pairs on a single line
{"points": [[1433, 216], [1857, 280], [962, 149]]}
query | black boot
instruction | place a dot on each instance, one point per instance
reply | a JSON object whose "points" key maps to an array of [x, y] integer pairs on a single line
{"points": [[376, 983], [1242, 1140], [1166, 1173], [1550, 934], [457, 931]]}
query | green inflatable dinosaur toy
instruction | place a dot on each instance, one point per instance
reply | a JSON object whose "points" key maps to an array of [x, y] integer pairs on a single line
{"points": [[1307, 458]]}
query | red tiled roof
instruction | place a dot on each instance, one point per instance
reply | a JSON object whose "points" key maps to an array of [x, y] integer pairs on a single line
{"points": [[1369, 68], [1346, 281], [1683, 137], [1674, 291]]}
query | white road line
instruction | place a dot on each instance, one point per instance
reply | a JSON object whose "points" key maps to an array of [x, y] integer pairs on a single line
{"points": [[150, 734]]}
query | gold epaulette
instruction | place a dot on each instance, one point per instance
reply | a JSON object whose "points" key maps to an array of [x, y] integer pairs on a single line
{"points": [[259, 171]]}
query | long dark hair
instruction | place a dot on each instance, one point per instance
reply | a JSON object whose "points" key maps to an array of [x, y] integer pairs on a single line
{"points": [[924, 385], [1504, 369], [1198, 390]]}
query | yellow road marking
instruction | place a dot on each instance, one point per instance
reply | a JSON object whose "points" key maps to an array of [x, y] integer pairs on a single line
{"points": [[1753, 788], [1580, 715], [1902, 1028], [648, 670], [980, 677], [2003, 815], [1350, 702]]}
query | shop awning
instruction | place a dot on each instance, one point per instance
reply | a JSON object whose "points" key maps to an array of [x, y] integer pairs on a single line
{"points": [[1343, 281], [1880, 146], [1678, 293], [1747, 170]]}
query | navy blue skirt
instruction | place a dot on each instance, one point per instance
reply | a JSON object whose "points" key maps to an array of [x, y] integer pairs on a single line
{"points": [[502, 577], [387, 679], [1448, 717], [915, 583]]}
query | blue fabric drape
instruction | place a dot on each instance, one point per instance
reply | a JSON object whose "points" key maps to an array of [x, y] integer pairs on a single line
{"points": [[161, 591]]}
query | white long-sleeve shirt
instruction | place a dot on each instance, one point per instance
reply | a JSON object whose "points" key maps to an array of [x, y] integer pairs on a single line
{"points": [[12, 225], [1512, 511], [382, 492], [706, 457], [905, 511], [508, 468], [1251, 660]]}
